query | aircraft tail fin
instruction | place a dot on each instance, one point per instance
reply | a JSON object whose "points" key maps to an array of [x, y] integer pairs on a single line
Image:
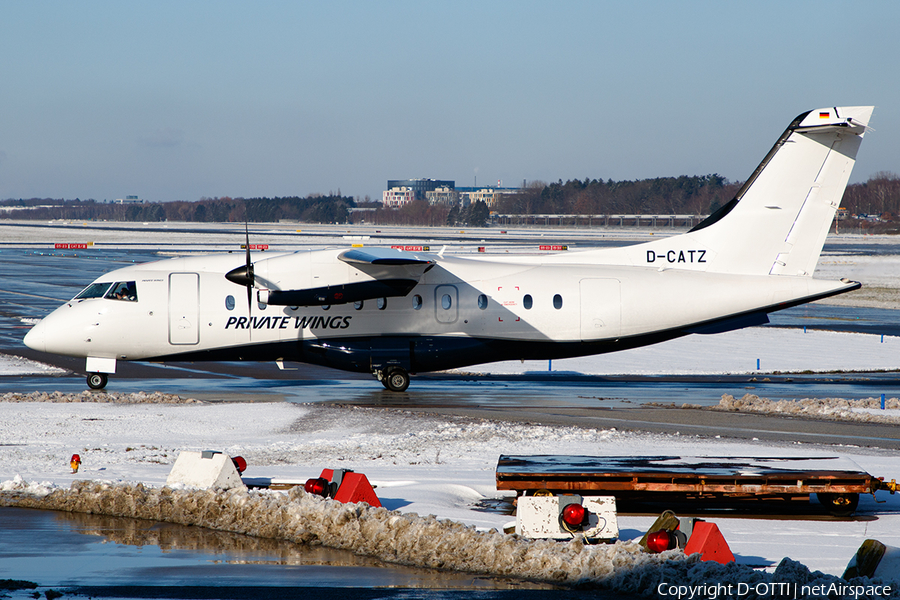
{"points": [[778, 221]]}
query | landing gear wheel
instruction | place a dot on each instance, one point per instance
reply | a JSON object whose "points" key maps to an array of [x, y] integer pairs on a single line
{"points": [[839, 505], [396, 380], [97, 381]]}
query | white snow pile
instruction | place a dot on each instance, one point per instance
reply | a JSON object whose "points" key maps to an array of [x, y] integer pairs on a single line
{"points": [[11, 364], [410, 539], [866, 410], [19, 485], [103, 397]]}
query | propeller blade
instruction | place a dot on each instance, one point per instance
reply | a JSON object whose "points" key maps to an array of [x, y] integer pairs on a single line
{"points": [[247, 246], [244, 275]]}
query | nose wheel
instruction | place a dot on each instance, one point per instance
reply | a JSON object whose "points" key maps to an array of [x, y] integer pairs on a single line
{"points": [[97, 381], [395, 379]]}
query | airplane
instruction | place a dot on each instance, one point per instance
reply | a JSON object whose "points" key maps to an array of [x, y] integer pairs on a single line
{"points": [[391, 313]]}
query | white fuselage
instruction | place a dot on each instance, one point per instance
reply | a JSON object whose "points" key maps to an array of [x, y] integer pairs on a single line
{"points": [[186, 305], [392, 313]]}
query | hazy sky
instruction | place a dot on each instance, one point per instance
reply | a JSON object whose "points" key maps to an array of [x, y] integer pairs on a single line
{"points": [[179, 100]]}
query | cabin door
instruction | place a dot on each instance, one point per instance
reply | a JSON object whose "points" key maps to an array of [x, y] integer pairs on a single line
{"points": [[184, 309], [601, 308]]}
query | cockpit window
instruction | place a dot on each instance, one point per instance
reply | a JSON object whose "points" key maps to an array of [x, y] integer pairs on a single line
{"points": [[95, 290], [123, 290]]}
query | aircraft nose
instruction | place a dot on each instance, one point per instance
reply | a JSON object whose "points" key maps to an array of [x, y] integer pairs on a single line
{"points": [[36, 337]]}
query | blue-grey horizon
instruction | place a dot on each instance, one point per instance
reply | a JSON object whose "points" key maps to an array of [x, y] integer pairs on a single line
{"points": [[173, 101]]}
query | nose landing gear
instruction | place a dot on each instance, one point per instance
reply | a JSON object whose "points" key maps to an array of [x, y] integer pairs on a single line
{"points": [[97, 381]]}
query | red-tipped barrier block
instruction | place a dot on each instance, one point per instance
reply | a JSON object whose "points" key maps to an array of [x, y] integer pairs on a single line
{"points": [[708, 541], [354, 487]]}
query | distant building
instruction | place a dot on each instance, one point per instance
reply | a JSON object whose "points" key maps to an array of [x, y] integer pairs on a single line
{"points": [[487, 195], [420, 187], [437, 191], [443, 195], [129, 200], [397, 196]]}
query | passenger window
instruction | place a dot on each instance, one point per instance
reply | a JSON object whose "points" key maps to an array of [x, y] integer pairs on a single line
{"points": [[557, 301], [527, 302], [417, 302], [229, 302], [446, 302], [358, 305], [123, 290], [482, 301], [381, 303]]}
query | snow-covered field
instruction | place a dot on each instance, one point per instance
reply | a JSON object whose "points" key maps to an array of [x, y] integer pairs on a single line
{"points": [[16, 365], [427, 465], [880, 276], [444, 466]]}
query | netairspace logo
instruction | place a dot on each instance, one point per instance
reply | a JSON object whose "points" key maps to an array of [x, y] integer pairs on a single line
{"points": [[714, 591]]}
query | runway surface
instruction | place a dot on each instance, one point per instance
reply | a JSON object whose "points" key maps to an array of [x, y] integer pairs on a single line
{"points": [[39, 279], [653, 404]]}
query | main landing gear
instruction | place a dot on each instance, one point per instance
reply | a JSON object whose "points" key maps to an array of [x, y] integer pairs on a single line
{"points": [[97, 381], [396, 379]]}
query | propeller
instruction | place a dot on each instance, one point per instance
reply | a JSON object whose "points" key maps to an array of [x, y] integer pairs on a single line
{"points": [[243, 275]]}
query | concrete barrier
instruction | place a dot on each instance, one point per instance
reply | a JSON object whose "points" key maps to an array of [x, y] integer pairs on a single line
{"points": [[209, 469]]}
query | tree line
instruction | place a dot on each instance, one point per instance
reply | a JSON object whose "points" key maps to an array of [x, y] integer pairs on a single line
{"points": [[312, 209], [665, 195], [880, 196], [422, 213], [875, 204]]}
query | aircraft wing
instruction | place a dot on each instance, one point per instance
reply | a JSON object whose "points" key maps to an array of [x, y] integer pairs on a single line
{"points": [[392, 273], [387, 263]]}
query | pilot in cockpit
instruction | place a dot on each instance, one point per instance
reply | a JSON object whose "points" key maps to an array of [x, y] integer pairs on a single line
{"points": [[125, 290]]}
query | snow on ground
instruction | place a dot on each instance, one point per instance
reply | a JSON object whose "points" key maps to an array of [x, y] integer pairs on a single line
{"points": [[879, 274], [16, 365], [427, 465], [778, 350], [443, 466], [836, 409]]}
